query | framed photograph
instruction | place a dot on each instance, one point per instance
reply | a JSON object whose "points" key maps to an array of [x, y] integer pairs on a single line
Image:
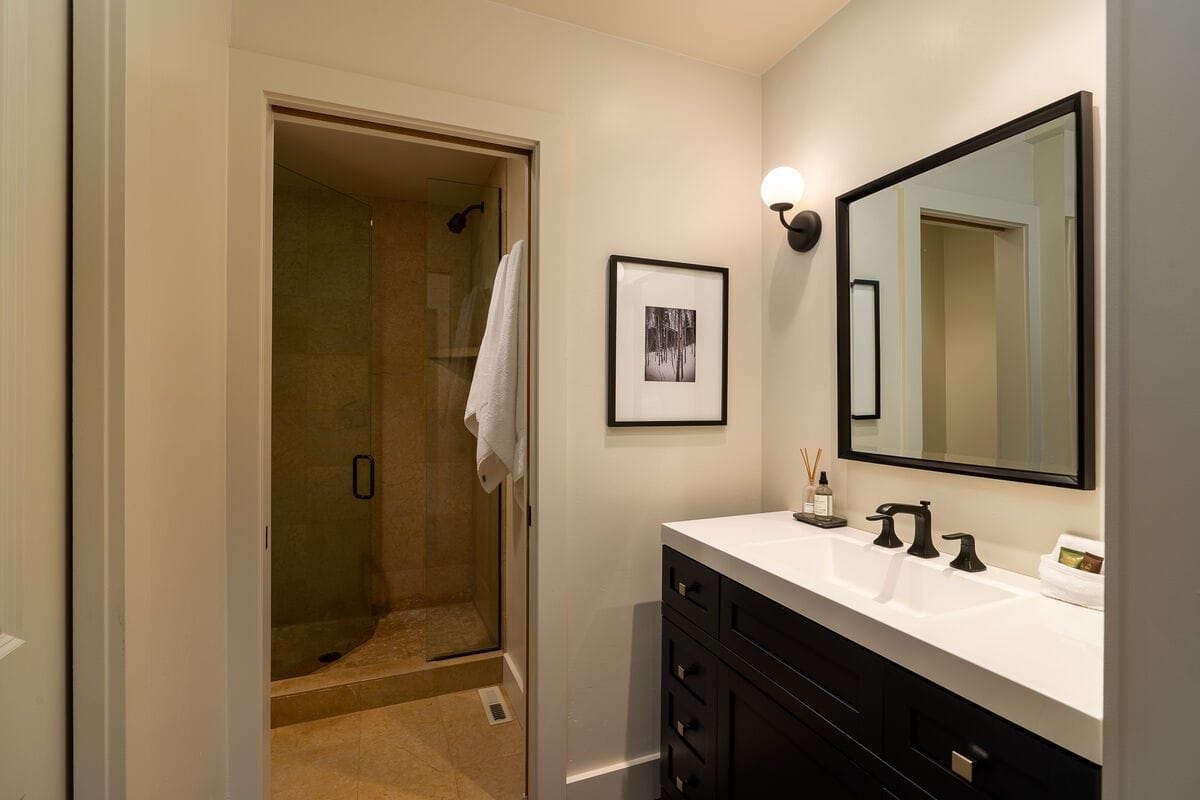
{"points": [[668, 343]]}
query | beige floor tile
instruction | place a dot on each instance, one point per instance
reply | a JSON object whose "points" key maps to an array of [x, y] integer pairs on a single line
{"points": [[471, 738], [390, 772], [305, 794], [323, 734], [495, 779], [460, 705], [401, 733], [472, 743], [329, 774], [380, 721]]}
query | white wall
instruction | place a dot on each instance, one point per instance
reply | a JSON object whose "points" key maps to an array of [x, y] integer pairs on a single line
{"points": [[879, 86], [664, 162], [1152, 636], [150, 458], [176, 105]]}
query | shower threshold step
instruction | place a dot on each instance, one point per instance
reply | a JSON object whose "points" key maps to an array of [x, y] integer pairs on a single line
{"points": [[329, 694]]}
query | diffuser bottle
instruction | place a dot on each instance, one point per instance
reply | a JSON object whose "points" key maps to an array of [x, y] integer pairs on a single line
{"points": [[810, 498], [823, 500]]}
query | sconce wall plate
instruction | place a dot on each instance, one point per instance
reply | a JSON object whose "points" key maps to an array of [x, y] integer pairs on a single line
{"points": [[803, 231]]}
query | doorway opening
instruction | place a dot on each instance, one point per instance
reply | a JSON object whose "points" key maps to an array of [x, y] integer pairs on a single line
{"points": [[398, 585]]}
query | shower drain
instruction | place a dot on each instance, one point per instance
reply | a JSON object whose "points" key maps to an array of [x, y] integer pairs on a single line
{"points": [[330, 657]]}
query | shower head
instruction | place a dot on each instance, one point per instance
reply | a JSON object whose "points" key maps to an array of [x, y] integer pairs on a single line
{"points": [[458, 222]]}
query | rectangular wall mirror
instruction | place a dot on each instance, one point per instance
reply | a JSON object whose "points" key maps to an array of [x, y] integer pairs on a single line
{"points": [[966, 306]]}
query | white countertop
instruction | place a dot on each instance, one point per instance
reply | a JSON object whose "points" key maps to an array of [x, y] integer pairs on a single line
{"points": [[1032, 660]]}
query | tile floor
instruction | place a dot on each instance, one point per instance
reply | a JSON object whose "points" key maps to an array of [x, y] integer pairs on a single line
{"points": [[441, 748]]}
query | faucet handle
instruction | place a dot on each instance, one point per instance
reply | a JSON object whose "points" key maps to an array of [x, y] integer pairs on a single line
{"points": [[887, 536], [925, 503], [966, 560]]}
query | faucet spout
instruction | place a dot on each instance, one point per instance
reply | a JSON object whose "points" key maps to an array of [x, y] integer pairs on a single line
{"points": [[922, 545]]}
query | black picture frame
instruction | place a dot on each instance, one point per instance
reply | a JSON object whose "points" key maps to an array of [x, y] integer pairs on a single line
{"points": [[613, 422], [1079, 104], [878, 390]]}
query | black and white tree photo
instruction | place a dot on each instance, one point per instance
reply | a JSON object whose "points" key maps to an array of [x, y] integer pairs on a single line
{"points": [[670, 344]]}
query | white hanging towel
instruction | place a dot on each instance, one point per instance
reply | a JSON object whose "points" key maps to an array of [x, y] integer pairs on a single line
{"points": [[495, 412]]}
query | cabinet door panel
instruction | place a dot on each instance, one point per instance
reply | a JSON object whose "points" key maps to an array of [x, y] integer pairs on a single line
{"points": [[764, 752]]}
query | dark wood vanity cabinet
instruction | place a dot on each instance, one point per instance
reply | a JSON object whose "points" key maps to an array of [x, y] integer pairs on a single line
{"points": [[761, 702]]}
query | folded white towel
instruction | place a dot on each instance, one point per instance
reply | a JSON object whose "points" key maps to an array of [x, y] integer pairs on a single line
{"points": [[495, 412], [1069, 584]]}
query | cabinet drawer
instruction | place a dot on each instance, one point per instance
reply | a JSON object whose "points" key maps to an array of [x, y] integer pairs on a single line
{"points": [[833, 676], [689, 721], [687, 665], [684, 776], [959, 751], [690, 588]]}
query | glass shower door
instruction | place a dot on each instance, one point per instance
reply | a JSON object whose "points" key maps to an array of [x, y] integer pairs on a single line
{"points": [[322, 475], [463, 236]]}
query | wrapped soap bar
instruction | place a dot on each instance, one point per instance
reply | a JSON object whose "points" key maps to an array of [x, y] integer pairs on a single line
{"points": [[1091, 563], [1070, 557]]}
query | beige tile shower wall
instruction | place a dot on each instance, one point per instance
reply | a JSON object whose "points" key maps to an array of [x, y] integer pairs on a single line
{"points": [[398, 407], [319, 405]]}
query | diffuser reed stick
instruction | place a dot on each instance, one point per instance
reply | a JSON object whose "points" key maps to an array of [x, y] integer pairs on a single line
{"points": [[810, 466]]}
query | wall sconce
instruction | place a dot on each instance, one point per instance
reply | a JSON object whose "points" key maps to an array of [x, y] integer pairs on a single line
{"points": [[781, 190]]}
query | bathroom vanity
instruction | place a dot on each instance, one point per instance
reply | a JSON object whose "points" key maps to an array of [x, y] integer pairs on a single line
{"points": [[803, 663]]}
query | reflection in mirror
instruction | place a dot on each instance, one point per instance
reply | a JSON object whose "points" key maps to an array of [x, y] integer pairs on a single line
{"points": [[974, 266]]}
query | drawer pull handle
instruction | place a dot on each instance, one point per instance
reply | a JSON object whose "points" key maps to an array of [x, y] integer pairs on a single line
{"points": [[682, 783], [964, 766], [682, 672], [682, 728], [683, 588]]}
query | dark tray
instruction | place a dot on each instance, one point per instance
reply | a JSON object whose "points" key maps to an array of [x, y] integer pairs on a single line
{"points": [[810, 519]]}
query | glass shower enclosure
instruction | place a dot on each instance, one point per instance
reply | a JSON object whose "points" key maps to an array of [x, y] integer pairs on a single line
{"points": [[384, 546]]}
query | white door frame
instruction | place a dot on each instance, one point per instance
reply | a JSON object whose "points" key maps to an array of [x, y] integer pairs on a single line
{"points": [[256, 82]]}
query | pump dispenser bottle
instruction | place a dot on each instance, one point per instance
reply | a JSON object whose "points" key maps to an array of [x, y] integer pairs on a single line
{"points": [[823, 500]]}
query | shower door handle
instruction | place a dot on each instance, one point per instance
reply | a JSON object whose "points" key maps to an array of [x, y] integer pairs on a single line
{"points": [[370, 479]]}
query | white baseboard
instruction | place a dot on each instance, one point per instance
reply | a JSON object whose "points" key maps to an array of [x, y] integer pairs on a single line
{"points": [[514, 684], [636, 779]]}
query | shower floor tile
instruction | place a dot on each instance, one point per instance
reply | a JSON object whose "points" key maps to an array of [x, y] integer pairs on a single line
{"points": [[440, 748], [455, 628], [402, 640]]}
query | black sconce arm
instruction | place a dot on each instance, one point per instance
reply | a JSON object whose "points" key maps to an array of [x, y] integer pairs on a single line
{"points": [[803, 231]]}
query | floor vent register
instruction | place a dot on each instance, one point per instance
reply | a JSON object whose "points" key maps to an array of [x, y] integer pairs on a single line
{"points": [[494, 705]]}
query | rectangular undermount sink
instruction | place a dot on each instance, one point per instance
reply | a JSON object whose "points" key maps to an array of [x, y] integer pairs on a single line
{"points": [[892, 578]]}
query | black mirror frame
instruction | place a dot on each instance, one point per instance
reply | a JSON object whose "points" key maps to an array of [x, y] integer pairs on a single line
{"points": [[1079, 104]]}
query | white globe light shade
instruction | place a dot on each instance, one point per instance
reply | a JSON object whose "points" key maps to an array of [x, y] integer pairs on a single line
{"points": [[782, 185]]}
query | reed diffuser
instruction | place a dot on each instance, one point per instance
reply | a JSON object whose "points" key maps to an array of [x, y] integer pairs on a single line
{"points": [[810, 491]]}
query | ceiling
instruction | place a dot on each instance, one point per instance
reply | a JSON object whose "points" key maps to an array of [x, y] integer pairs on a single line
{"points": [[746, 35], [363, 163]]}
